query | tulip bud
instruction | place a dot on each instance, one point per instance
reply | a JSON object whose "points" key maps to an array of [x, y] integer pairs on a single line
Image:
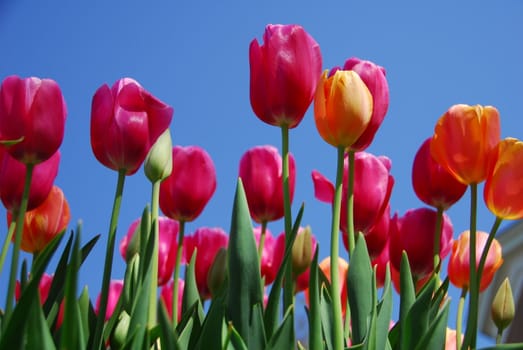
{"points": [[302, 252], [218, 271], [502, 309], [159, 161], [119, 336]]}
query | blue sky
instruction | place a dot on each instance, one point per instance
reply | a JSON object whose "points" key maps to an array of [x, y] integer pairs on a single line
{"points": [[194, 56]]}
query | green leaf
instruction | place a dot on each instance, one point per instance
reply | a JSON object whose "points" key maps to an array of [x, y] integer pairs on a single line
{"points": [[417, 321], [407, 298], [245, 288], [236, 340], [434, 338], [326, 314], [211, 333], [191, 295], [167, 335], [40, 337], [257, 338], [315, 334], [513, 346], [384, 313], [283, 337]]}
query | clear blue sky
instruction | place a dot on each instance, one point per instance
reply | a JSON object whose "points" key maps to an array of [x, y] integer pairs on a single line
{"points": [[195, 58]]}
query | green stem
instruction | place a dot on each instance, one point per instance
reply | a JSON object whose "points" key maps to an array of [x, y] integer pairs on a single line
{"points": [[472, 318], [334, 253], [7, 241], [20, 216], [459, 317], [499, 336], [108, 264], [262, 241], [350, 204], [179, 250], [153, 297], [437, 240]]}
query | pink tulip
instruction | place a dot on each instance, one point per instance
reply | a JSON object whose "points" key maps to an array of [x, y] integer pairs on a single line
{"points": [[167, 243], [12, 178], [372, 189], [166, 296], [126, 121], [433, 184], [185, 193], [261, 174], [115, 290], [414, 233], [268, 269], [380, 262], [208, 241], [285, 70], [374, 77], [33, 111]]}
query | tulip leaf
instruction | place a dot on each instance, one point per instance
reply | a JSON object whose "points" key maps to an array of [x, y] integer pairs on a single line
{"points": [[245, 288], [434, 338], [512, 346], [384, 309], [40, 337], [184, 339], [283, 337], [212, 327], [326, 314], [407, 298], [191, 296], [417, 320], [315, 334], [167, 335], [236, 340], [257, 338]]}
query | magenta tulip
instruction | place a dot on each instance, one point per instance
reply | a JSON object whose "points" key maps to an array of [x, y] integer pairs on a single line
{"points": [[285, 70], [433, 184], [166, 296], [126, 121], [374, 77], [208, 241], [115, 290], [261, 174], [12, 179], [167, 236], [185, 193], [268, 268], [33, 112], [414, 233]]}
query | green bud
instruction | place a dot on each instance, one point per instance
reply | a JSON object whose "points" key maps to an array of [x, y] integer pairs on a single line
{"points": [[302, 252], [119, 336], [159, 161], [217, 272], [503, 310]]}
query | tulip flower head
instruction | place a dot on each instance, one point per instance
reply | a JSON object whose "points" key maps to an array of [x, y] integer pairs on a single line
{"points": [[261, 174], [32, 113], [503, 191], [284, 72], [126, 120], [459, 262], [268, 268], [115, 290], [166, 296], [464, 140]]}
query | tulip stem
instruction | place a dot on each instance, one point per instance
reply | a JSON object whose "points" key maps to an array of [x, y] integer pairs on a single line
{"points": [[334, 253], [459, 317], [472, 318], [153, 297], [262, 241], [20, 216], [7, 241], [98, 333], [437, 240], [484, 254], [179, 250], [350, 204]]}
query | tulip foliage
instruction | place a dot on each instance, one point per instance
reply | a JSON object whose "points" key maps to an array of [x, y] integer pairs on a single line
{"points": [[235, 289]]}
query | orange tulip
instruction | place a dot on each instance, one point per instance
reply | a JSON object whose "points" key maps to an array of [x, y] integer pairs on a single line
{"points": [[503, 191], [464, 139], [342, 107], [459, 266], [44, 222]]}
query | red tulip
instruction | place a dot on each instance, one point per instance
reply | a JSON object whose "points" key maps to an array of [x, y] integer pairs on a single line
{"points": [[33, 111], [166, 296], [374, 78], [126, 121], [115, 290], [45, 222], [459, 262], [208, 241], [12, 180], [185, 193], [261, 174], [414, 233], [372, 189], [433, 184], [167, 238], [380, 262], [268, 269], [284, 73]]}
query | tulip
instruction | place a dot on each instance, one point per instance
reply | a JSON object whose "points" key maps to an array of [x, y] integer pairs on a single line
{"points": [[374, 78], [284, 72], [503, 192], [342, 107], [12, 177], [159, 161], [450, 339], [380, 263], [261, 174], [268, 268], [414, 233], [502, 309], [208, 241], [459, 262], [433, 184], [126, 120], [32, 113], [166, 296], [168, 233], [185, 193], [372, 189], [115, 290], [45, 222], [464, 139]]}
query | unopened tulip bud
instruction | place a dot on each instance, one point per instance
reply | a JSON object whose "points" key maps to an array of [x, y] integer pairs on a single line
{"points": [[159, 161], [218, 271], [119, 336], [502, 309], [133, 247], [302, 252]]}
